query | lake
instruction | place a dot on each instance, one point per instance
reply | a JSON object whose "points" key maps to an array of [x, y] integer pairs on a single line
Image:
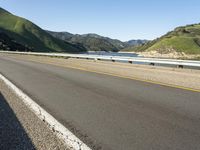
{"points": [[113, 54]]}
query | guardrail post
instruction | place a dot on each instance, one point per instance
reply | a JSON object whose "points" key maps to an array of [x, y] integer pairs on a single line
{"points": [[152, 64], [180, 66]]}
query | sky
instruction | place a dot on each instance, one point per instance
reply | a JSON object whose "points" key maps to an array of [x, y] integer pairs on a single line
{"points": [[118, 19]]}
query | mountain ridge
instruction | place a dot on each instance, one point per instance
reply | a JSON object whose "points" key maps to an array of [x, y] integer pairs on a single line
{"points": [[90, 41], [95, 42]]}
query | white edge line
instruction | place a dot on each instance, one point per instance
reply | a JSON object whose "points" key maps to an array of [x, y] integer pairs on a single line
{"points": [[62, 132]]}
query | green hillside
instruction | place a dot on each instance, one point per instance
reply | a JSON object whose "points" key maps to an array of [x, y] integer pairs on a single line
{"points": [[95, 42], [6, 43], [183, 39], [30, 35], [92, 42]]}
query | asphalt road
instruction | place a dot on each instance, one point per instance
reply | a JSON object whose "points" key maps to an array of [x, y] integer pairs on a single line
{"points": [[111, 112]]}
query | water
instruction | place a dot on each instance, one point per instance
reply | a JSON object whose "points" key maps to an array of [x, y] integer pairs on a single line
{"points": [[124, 54], [113, 54]]}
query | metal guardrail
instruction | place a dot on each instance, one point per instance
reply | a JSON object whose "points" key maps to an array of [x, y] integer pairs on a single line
{"points": [[151, 61]]}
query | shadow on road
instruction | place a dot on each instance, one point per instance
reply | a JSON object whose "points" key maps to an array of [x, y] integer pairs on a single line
{"points": [[12, 134]]}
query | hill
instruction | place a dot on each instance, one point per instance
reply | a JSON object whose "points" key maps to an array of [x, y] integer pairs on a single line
{"points": [[6, 43], [92, 42], [136, 42], [29, 35], [95, 42], [185, 39]]}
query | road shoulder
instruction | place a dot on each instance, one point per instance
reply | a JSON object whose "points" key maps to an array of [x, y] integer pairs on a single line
{"points": [[23, 124]]}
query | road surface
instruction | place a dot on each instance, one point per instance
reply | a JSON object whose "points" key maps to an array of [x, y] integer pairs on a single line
{"points": [[109, 112]]}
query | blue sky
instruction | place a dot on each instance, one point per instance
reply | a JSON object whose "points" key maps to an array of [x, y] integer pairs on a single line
{"points": [[120, 19]]}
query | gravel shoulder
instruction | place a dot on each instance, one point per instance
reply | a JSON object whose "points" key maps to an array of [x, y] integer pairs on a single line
{"points": [[188, 78], [20, 128]]}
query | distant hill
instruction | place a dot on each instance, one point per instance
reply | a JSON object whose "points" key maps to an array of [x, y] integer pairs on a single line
{"points": [[92, 42], [183, 39], [24, 35], [136, 42]]}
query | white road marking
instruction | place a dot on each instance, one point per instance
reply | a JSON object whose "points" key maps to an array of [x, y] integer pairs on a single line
{"points": [[61, 131]]}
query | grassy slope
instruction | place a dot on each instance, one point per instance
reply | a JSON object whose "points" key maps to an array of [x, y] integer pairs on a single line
{"points": [[27, 33], [182, 39], [6, 43], [92, 42], [95, 44]]}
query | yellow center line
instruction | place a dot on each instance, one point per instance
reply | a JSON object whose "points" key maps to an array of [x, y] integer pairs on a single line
{"points": [[135, 78], [125, 77]]}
